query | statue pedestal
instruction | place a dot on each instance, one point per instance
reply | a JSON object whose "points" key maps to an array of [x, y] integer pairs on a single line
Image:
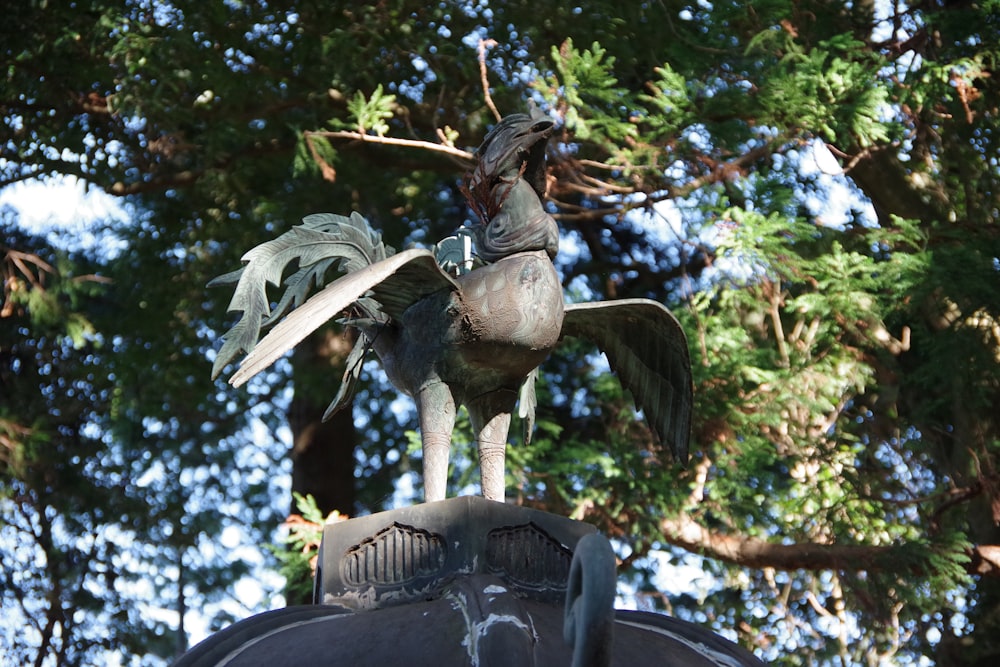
{"points": [[413, 553], [464, 581]]}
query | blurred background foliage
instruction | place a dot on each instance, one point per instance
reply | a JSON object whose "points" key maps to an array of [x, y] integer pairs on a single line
{"points": [[811, 186]]}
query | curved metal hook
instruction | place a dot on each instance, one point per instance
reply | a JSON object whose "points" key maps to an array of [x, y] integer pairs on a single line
{"points": [[589, 616]]}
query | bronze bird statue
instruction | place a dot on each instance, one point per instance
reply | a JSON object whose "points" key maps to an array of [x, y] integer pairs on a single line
{"points": [[472, 336]]}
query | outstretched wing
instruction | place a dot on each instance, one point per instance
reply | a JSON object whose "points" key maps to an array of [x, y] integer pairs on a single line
{"points": [[648, 350], [395, 282]]}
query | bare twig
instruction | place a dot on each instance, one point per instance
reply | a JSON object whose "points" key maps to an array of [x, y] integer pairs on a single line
{"points": [[445, 141], [19, 259], [600, 165], [483, 45], [601, 190], [606, 186], [92, 278], [392, 141], [818, 606], [325, 168]]}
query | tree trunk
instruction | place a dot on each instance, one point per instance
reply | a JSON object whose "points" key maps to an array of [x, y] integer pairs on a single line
{"points": [[182, 638], [322, 452]]}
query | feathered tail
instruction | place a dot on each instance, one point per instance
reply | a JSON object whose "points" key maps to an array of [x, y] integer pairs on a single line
{"points": [[321, 242]]}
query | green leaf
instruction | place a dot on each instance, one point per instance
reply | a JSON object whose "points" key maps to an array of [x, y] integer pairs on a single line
{"points": [[370, 114]]}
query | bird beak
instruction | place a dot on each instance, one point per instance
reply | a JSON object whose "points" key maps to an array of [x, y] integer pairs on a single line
{"points": [[543, 126]]}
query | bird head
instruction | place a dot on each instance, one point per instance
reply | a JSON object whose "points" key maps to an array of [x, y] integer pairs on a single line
{"points": [[516, 147]]}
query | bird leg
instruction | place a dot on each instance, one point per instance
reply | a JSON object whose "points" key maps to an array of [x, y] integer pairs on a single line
{"points": [[490, 417], [436, 411]]}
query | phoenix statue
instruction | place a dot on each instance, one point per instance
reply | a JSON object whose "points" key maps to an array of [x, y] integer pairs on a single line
{"points": [[454, 329]]}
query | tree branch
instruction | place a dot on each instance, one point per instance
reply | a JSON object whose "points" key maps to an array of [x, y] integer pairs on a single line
{"points": [[180, 179], [484, 79], [393, 141], [747, 551]]}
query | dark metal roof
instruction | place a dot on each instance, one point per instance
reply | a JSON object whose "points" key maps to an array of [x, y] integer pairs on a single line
{"points": [[464, 581]]}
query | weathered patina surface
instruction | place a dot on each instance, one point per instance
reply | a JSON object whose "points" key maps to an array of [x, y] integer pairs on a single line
{"points": [[474, 338], [465, 581]]}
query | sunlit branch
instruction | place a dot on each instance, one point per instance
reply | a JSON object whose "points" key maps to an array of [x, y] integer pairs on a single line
{"points": [[483, 45], [393, 141], [19, 258], [747, 551], [598, 189], [325, 168], [610, 187]]}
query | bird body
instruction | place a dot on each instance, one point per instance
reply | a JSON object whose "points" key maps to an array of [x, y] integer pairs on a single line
{"points": [[473, 346], [475, 339]]}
